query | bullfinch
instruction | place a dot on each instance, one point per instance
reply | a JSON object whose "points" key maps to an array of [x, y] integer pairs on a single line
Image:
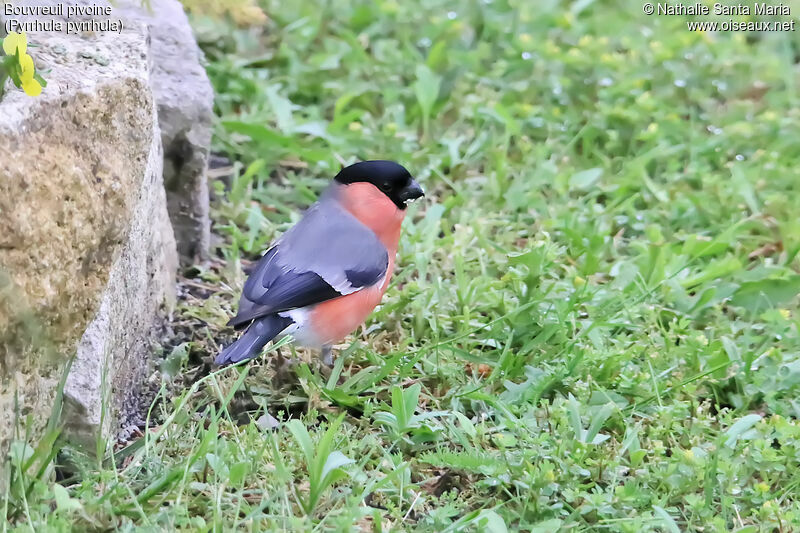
{"points": [[326, 274]]}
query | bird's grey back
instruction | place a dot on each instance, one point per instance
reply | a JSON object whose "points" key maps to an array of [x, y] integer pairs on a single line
{"points": [[330, 241]]}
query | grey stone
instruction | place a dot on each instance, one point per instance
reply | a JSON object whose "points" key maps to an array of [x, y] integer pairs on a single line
{"points": [[87, 252], [185, 101]]}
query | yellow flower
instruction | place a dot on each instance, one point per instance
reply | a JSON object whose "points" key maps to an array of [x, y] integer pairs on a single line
{"points": [[15, 41], [27, 70], [355, 126], [31, 87], [785, 313], [16, 44], [26, 66]]}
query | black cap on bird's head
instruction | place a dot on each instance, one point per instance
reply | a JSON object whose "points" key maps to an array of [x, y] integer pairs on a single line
{"points": [[391, 178]]}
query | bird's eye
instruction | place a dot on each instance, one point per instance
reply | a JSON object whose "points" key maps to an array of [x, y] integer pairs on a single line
{"points": [[386, 186]]}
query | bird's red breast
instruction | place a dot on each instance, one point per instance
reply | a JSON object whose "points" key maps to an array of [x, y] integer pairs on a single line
{"points": [[376, 211], [335, 319]]}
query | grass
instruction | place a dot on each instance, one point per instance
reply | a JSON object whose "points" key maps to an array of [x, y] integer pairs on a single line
{"points": [[594, 322]]}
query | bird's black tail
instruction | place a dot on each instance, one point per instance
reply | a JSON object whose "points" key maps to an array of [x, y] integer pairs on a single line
{"points": [[249, 345]]}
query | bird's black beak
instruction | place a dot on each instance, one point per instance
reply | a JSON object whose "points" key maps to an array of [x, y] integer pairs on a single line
{"points": [[412, 191]]}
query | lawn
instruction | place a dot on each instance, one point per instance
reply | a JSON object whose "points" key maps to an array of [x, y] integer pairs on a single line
{"points": [[594, 321]]}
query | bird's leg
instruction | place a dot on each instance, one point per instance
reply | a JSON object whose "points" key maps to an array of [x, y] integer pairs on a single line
{"points": [[327, 356], [279, 360], [283, 369]]}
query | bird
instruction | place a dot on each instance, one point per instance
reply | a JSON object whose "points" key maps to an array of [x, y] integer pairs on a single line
{"points": [[328, 272]]}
